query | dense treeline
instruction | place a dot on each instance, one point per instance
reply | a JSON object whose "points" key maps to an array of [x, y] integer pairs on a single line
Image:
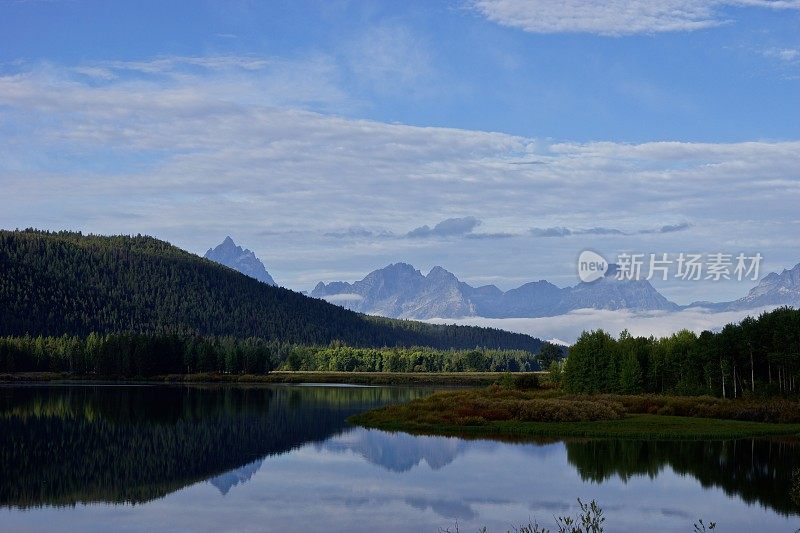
{"points": [[68, 283], [758, 356], [144, 354], [139, 354], [418, 359]]}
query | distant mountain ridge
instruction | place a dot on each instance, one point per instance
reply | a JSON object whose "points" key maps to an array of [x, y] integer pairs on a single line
{"points": [[772, 291], [401, 291], [240, 259]]}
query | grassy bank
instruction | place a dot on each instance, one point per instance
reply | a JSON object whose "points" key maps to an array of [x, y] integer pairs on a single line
{"points": [[472, 379], [500, 412]]}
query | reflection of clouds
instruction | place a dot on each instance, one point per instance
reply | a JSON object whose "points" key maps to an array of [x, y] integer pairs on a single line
{"points": [[448, 508], [672, 512], [551, 506], [444, 508]]}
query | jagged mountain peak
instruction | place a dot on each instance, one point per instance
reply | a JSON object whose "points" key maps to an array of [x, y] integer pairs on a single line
{"points": [[438, 272], [231, 255], [773, 290]]}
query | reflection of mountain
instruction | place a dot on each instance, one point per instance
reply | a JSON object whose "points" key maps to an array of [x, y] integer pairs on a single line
{"points": [[756, 470], [399, 452], [225, 482], [65, 445]]}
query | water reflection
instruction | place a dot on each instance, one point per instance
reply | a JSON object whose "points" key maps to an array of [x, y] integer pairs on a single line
{"points": [[755, 470], [225, 482], [68, 445], [270, 454], [398, 452]]}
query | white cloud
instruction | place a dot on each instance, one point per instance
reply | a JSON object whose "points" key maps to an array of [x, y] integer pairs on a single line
{"points": [[446, 228], [343, 298], [788, 55], [567, 328], [390, 59], [561, 231], [189, 153], [615, 18]]}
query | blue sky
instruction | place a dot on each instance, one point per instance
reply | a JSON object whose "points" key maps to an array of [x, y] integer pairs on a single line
{"points": [[322, 134], [444, 64]]}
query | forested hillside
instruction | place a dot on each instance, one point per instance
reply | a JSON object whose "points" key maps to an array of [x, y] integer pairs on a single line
{"points": [[53, 284]]}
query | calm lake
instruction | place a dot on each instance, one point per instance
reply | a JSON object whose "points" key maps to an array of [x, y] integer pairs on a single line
{"points": [[283, 458]]}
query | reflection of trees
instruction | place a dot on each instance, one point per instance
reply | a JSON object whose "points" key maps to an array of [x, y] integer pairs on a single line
{"points": [[755, 470], [65, 445]]}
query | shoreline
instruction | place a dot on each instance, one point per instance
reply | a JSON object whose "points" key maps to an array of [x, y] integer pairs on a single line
{"points": [[465, 379], [632, 427]]}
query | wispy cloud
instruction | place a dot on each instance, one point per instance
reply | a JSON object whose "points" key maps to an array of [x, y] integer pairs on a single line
{"points": [[669, 228], [452, 227], [568, 327], [343, 298], [558, 231], [561, 231], [390, 59], [490, 236], [788, 55], [197, 151], [625, 17], [360, 233], [446, 228]]}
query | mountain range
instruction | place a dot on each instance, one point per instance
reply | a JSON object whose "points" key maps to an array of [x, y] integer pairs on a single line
{"points": [[401, 291], [773, 290]]}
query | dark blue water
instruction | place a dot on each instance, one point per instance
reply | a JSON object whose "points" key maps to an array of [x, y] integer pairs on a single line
{"points": [[283, 458]]}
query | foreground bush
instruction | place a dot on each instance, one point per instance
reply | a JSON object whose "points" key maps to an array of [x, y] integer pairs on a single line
{"points": [[753, 410]]}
